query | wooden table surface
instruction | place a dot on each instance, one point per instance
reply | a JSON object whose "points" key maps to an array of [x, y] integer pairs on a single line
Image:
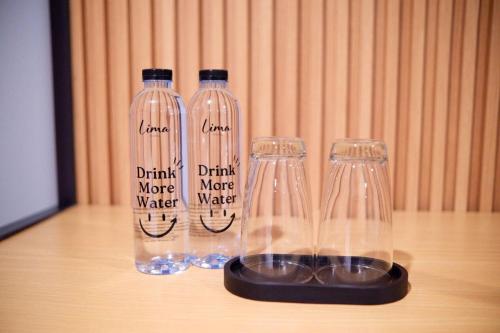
{"points": [[75, 273]]}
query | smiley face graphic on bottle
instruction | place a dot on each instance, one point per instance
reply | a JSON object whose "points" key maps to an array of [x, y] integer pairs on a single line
{"points": [[217, 231], [161, 220]]}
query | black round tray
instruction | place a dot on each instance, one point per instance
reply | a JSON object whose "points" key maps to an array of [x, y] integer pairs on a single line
{"points": [[393, 288]]}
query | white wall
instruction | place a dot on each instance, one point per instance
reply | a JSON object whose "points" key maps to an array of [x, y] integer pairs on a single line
{"points": [[28, 174]]}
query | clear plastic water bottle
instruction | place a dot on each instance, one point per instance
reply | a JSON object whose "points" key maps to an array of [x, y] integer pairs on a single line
{"points": [[161, 227], [214, 171]]}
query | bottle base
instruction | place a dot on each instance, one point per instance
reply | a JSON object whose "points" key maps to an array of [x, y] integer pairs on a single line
{"points": [[163, 266], [211, 261]]}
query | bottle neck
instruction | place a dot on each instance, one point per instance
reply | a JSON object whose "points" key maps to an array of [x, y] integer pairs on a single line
{"points": [[213, 84], [158, 84]]}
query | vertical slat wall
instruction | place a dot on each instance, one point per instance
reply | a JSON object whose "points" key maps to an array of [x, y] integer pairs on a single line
{"points": [[422, 75]]}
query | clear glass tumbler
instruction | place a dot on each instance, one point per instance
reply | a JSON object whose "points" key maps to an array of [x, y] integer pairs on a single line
{"points": [[354, 243], [277, 242]]}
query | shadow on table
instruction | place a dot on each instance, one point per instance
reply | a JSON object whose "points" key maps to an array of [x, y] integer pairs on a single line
{"points": [[403, 258]]}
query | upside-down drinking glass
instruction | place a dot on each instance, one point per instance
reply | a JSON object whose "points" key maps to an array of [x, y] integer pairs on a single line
{"points": [[354, 243], [277, 242]]}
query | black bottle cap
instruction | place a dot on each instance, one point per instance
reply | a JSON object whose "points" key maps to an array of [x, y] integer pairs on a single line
{"points": [[213, 74], [156, 74]]}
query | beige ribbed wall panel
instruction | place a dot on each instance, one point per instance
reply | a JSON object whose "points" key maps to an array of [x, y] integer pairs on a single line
{"points": [[286, 49], [440, 105], [429, 88], [119, 94], [237, 53], [79, 102], [311, 63], [424, 76], [97, 98]]}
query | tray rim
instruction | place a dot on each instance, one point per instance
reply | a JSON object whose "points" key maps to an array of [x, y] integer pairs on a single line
{"points": [[389, 291]]}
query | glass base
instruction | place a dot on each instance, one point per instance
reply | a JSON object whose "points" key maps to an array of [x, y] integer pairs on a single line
{"points": [[163, 266], [277, 271], [212, 261], [354, 274]]}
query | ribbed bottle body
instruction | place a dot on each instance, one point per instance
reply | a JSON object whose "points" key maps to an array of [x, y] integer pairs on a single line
{"points": [[214, 174], [161, 226]]}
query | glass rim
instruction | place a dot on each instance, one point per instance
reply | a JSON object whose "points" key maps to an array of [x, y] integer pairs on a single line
{"points": [[358, 149], [277, 146]]}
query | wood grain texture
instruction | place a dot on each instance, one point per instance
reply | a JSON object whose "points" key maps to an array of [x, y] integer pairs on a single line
{"points": [[421, 75], [78, 287]]}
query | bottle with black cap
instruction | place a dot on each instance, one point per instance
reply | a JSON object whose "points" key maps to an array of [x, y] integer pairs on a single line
{"points": [[160, 216], [214, 171]]}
